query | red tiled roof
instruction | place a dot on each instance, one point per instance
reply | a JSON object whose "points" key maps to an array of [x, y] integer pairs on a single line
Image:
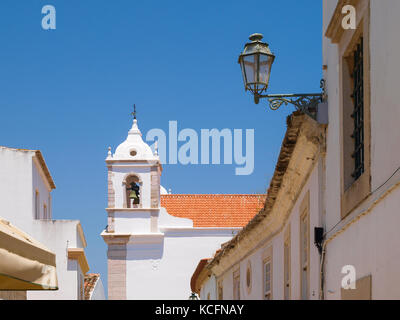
{"points": [[214, 210], [90, 282]]}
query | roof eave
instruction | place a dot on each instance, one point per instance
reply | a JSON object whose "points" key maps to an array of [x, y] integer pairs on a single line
{"points": [[45, 169]]}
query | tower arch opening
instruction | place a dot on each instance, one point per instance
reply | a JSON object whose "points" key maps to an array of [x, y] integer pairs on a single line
{"points": [[132, 191]]}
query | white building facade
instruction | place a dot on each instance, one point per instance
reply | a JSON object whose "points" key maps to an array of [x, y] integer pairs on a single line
{"points": [[362, 210], [25, 201]]}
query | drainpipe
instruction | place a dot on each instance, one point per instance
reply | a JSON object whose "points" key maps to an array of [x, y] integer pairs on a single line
{"points": [[321, 274], [323, 221]]}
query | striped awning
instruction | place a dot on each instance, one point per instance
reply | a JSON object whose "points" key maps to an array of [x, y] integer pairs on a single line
{"points": [[25, 264]]}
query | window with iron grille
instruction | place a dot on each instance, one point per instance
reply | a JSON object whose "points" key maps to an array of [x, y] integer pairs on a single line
{"points": [[358, 114]]}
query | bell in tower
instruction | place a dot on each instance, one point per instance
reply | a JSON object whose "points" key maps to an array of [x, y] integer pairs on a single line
{"points": [[134, 195]]}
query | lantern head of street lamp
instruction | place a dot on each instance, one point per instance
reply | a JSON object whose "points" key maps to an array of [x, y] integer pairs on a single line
{"points": [[256, 62], [193, 296]]}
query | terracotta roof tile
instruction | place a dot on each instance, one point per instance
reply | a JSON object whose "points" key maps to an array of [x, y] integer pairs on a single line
{"points": [[90, 282], [214, 210]]}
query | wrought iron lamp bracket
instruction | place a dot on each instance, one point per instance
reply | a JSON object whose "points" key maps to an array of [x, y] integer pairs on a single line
{"points": [[304, 102], [307, 103]]}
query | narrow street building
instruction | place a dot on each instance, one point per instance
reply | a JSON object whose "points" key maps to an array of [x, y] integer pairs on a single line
{"points": [[25, 201], [362, 194]]}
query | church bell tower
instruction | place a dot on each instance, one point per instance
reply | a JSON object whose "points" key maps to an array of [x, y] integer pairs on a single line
{"points": [[133, 206]]}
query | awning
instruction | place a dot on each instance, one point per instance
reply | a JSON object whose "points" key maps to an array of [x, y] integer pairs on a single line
{"points": [[25, 264]]}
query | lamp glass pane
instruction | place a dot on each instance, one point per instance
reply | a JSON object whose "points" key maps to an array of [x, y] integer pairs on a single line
{"points": [[265, 68], [251, 69], [243, 72]]}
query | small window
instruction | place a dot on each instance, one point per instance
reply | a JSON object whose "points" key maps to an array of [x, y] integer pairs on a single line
{"points": [[248, 277], [45, 212], [49, 208], [353, 115], [358, 114], [37, 213], [267, 280]]}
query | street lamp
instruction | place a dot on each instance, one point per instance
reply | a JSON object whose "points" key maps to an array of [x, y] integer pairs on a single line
{"points": [[256, 62], [193, 296]]}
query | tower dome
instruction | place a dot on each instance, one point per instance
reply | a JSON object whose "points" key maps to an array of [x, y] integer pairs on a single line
{"points": [[134, 147]]}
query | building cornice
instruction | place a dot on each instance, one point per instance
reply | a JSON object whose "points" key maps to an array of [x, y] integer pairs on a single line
{"points": [[335, 30], [115, 238], [124, 239], [81, 234], [199, 276], [200, 231], [129, 210], [79, 255], [115, 162], [43, 170]]}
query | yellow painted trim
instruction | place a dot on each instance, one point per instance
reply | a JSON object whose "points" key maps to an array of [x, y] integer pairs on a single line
{"points": [[79, 255], [335, 31], [46, 172], [81, 234], [360, 189]]}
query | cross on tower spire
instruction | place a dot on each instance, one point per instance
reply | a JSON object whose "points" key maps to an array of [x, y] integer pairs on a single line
{"points": [[134, 111]]}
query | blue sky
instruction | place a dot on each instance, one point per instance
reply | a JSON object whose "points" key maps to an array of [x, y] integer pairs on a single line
{"points": [[69, 91]]}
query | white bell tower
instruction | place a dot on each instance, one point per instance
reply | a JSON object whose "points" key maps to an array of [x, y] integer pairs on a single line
{"points": [[133, 185], [145, 243], [133, 206]]}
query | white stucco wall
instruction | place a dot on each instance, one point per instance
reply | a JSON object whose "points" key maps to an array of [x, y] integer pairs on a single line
{"points": [[98, 291], [16, 202], [371, 245], [209, 289], [163, 270], [385, 95], [130, 222]]}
